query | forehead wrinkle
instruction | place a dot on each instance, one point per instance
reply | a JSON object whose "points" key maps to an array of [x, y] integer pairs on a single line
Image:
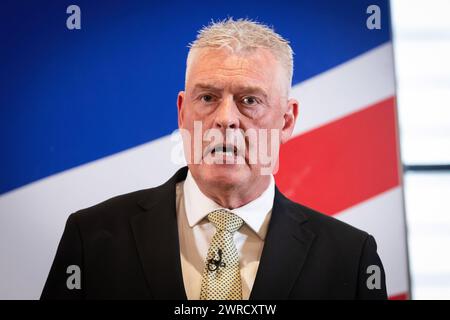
{"points": [[232, 62], [233, 72], [235, 86], [239, 79]]}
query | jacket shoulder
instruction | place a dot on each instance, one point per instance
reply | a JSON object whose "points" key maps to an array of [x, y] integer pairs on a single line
{"points": [[116, 209], [127, 205], [329, 227]]}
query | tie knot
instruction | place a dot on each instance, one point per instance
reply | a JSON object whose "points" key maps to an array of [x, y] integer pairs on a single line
{"points": [[225, 220]]}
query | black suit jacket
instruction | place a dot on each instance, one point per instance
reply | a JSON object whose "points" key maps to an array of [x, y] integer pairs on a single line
{"points": [[127, 248]]}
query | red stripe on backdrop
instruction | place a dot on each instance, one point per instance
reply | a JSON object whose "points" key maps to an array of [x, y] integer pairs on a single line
{"points": [[343, 162], [401, 296]]}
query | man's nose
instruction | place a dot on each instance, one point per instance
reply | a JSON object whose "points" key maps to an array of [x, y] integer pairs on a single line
{"points": [[226, 116]]}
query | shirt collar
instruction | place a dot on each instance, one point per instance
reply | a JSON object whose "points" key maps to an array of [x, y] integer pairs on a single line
{"points": [[255, 214]]}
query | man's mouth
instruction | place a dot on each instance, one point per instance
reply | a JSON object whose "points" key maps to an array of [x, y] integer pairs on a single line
{"points": [[224, 150]]}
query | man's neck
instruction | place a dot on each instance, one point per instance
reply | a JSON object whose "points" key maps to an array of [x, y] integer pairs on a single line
{"points": [[232, 197]]}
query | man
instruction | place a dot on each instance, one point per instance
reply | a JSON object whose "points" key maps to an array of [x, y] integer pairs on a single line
{"points": [[220, 229]]}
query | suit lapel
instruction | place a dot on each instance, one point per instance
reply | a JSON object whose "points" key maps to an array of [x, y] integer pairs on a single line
{"points": [[285, 250], [156, 236]]}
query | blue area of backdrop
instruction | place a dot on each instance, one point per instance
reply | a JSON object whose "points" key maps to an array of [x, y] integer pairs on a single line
{"points": [[68, 97]]}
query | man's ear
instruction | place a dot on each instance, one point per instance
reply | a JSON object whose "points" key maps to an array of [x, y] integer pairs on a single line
{"points": [[180, 101], [290, 118]]}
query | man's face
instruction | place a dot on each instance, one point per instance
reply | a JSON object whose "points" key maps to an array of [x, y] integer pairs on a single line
{"points": [[244, 92]]}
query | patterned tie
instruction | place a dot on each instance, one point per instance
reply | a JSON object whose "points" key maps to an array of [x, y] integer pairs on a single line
{"points": [[222, 278]]}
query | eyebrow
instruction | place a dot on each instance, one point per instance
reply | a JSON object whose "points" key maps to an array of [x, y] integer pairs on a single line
{"points": [[204, 86], [245, 88]]}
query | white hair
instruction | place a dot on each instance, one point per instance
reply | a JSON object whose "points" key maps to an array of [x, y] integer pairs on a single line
{"points": [[244, 35]]}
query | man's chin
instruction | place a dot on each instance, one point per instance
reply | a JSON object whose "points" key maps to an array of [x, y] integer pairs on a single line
{"points": [[225, 174]]}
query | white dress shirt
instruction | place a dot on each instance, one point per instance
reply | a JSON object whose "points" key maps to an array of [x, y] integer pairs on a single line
{"points": [[196, 232]]}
